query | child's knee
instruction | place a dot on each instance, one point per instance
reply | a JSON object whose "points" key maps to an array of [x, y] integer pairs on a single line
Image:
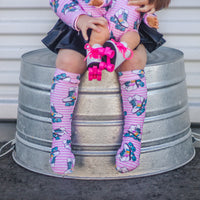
{"points": [[70, 61], [140, 57], [137, 62], [132, 38], [66, 61]]}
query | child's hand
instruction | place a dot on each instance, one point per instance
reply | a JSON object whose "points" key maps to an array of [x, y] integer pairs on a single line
{"points": [[86, 22], [144, 5]]}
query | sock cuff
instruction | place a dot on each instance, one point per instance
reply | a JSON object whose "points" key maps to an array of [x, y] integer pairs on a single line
{"points": [[72, 77], [131, 75]]}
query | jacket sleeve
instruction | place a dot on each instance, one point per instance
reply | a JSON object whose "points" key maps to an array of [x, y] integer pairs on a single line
{"points": [[67, 10]]}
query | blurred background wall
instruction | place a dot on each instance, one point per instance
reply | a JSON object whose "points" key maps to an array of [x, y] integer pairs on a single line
{"points": [[24, 23]]}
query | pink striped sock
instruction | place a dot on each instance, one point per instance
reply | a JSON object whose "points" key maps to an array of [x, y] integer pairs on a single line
{"points": [[134, 97], [64, 92]]}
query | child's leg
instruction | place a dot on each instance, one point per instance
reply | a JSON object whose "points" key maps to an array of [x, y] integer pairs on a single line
{"points": [[137, 62], [64, 93], [131, 38], [134, 97]]}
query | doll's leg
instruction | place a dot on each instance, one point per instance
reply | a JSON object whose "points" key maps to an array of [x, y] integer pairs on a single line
{"points": [[99, 37], [64, 92], [95, 51], [122, 50], [134, 98]]}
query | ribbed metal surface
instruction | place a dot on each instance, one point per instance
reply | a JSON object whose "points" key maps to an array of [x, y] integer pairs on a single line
{"points": [[97, 121]]}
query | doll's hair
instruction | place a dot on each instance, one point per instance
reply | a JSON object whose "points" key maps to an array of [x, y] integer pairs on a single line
{"points": [[160, 4]]}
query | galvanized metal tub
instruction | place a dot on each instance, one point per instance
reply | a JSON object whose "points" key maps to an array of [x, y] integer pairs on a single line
{"points": [[97, 122]]}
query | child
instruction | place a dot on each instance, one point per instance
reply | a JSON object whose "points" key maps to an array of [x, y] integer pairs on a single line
{"points": [[69, 44]]}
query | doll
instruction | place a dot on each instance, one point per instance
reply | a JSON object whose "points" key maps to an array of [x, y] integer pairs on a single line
{"points": [[123, 23]]}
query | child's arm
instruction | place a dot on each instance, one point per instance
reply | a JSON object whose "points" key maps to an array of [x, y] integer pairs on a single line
{"points": [[67, 10], [71, 13], [85, 22]]}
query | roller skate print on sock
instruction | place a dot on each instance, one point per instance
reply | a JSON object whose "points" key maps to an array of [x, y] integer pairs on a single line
{"points": [[121, 53], [94, 61], [70, 157], [127, 153], [70, 166], [125, 157], [54, 153], [55, 116], [138, 103], [62, 159], [57, 133], [71, 99], [67, 144], [140, 73], [58, 78], [133, 85], [134, 132]]}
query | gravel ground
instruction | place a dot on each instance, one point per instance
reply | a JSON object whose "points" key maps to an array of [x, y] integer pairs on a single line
{"points": [[17, 183]]}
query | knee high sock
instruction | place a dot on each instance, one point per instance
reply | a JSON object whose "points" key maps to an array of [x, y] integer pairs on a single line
{"points": [[134, 98], [64, 92]]}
